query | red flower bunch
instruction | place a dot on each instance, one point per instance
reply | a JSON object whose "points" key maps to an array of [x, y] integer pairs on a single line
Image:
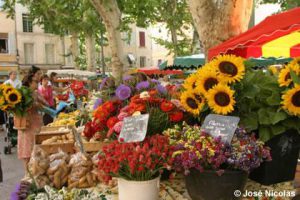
{"points": [[104, 119], [136, 161]]}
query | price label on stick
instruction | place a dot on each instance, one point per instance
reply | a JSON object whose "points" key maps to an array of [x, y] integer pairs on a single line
{"points": [[220, 126], [134, 128], [78, 139]]}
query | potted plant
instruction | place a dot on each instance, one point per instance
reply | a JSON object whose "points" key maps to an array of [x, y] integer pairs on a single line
{"points": [[17, 102], [137, 166], [229, 86], [214, 169]]}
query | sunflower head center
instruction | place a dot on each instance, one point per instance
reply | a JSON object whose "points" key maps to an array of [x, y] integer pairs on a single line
{"points": [[228, 68], [298, 62], [198, 97], [209, 83], [222, 99], [13, 97], [287, 77], [191, 103], [194, 85], [296, 99]]}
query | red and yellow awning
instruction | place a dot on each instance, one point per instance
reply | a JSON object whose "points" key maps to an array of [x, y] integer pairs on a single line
{"points": [[276, 36]]}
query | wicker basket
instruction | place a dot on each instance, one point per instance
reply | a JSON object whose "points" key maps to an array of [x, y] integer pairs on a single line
{"points": [[20, 123]]}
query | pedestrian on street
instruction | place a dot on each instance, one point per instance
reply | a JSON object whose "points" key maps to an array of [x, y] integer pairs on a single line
{"points": [[13, 81]]}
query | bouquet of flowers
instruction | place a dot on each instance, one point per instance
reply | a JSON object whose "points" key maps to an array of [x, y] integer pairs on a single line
{"points": [[104, 119], [16, 101], [228, 85], [139, 161], [198, 150]]}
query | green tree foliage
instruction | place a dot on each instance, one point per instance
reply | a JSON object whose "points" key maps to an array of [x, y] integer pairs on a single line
{"points": [[284, 4]]}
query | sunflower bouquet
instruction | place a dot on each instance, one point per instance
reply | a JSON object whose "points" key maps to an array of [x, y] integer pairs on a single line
{"points": [[16, 101], [229, 86], [289, 79]]}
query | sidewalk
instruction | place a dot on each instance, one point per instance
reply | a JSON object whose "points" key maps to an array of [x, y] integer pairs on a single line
{"points": [[12, 169]]}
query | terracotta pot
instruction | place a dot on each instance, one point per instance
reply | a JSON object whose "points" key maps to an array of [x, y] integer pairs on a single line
{"points": [[20, 123]]}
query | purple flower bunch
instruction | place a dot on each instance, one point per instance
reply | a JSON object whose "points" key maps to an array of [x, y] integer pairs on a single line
{"points": [[246, 152], [123, 92], [207, 153]]}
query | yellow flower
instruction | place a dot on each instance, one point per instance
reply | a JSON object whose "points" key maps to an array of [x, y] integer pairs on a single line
{"points": [[7, 89], [207, 80], [4, 107], [2, 100], [295, 62], [284, 77], [273, 69], [291, 101], [230, 67], [13, 97], [220, 99], [190, 82], [191, 102]]}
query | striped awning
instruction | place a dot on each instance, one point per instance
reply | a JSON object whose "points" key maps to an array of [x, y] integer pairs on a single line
{"points": [[277, 36]]}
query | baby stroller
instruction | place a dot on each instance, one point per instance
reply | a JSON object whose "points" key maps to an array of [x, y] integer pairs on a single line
{"points": [[11, 134]]}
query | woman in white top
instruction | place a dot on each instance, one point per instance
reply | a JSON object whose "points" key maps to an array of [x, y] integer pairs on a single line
{"points": [[13, 81]]}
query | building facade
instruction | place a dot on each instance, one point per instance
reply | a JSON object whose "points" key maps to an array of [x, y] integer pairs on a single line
{"points": [[8, 54]]}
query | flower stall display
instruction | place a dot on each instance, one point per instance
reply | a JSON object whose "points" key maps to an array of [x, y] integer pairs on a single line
{"points": [[215, 169], [16, 101], [137, 166]]}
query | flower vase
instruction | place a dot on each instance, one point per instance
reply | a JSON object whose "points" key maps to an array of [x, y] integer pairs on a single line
{"points": [[208, 185], [20, 122], [141, 190]]}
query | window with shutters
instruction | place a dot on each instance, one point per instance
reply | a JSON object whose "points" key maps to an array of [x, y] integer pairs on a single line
{"points": [[3, 43], [142, 61], [28, 53], [49, 53], [27, 23], [142, 39]]}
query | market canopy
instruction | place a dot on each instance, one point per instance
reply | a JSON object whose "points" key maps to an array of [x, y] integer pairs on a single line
{"points": [[156, 70], [276, 36], [185, 62]]}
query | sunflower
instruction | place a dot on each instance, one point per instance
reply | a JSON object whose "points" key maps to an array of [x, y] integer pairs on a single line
{"points": [[4, 107], [7, 89], [192, 103], [190, 82], [230, 67], [220, 99], [291, 100], [2, 100], [295, 62], [207, 80], [284, 77], [14, 97]]}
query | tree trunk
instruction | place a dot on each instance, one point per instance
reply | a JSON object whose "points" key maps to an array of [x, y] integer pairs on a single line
{"points": [[218, 20], [90, 52], [174, 40], [195, 42], [74, 48], [111, 16]]}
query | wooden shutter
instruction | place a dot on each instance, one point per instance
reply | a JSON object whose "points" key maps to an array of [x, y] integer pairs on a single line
{"points": [[142, 39]]}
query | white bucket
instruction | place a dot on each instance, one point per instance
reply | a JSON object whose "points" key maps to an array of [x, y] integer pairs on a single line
{"points": [[138, 190]]}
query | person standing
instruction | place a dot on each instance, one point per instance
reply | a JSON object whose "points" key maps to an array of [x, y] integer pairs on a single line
{"points": [[13, 81], [26, 137], [46, 91], [36, 73]]}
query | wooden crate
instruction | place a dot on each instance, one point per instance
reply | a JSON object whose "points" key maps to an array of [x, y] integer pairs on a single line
{"points": [[91, 146], [54, 129], [53, 148]]}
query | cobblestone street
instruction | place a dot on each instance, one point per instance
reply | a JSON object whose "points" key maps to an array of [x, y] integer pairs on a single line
{"points": [[12, 170]]}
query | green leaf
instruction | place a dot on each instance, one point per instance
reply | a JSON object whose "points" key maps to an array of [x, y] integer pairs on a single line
{"points": [[264, 116], [274, 99], [295, 78], [250, 121], [264, 133], [278, 116], [277, 129], [250, 91]]}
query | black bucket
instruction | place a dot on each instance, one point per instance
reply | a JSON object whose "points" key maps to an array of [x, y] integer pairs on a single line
{"points": [[284, 151], [208, 185]]}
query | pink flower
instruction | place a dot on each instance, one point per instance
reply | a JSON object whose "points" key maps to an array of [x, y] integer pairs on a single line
{"points": [[118, 127], [122, 115]]}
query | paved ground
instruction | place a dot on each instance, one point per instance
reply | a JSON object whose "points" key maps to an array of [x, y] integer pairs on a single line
{"points": [[12, 169]]}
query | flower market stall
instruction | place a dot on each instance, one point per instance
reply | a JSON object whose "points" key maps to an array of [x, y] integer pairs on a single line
{"points": [[202, 140]]}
